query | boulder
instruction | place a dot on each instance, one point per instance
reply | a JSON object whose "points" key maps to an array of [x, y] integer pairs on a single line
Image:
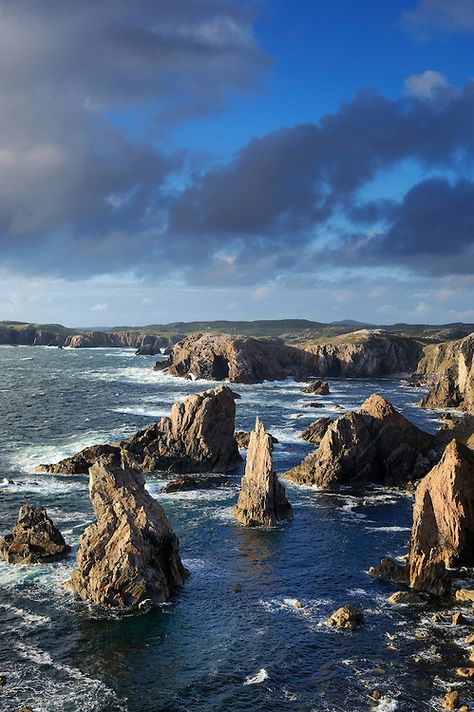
{"points": [[315, 432], [262, 499], [466, 595], [372, 444], [34, 539], [198, 436], [443, 521], [406, 598], [348, 617], [451, 700], [130, 556], [188, 484], [317, 388]]}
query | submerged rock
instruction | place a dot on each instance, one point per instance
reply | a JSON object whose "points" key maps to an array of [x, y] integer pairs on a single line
{"points": [[348, 617], [34, 539], [315, 432], [198, 436], [130, 556], [317, 388], [373, 444], [262, 499]]}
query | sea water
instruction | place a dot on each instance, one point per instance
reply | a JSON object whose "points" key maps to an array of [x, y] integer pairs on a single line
{"points": [[211, 648]]}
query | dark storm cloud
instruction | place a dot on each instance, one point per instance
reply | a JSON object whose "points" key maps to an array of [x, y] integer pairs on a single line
{"points": [[288, 190], [432, 231], [69, 73], [79, 196]]}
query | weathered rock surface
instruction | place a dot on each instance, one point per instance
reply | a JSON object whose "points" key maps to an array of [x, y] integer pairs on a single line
{"points": [[317, 388], [443, 521], [347, 617], [262, 499], [130, 556], [145, 344], [448, 370], [405, 598], [315, 432], [34, 539], [442, 535], [365, 354], [242, 359], [461, 429], [373, 444], [188, 484], [198, 436]]}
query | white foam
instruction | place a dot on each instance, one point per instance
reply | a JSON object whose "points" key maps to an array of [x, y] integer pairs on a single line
{"points": [[388, 529], [144, 412], [387, 705], [26, 617], [261, 675]]}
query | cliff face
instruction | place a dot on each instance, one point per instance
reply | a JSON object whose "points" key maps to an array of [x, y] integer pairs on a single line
{"points": [[370, 355], [30, 336], [241, 359], [373, 444], [198, 436], [448, 370], [262, 499], [131, 554], [144, 343], [443, 520]]}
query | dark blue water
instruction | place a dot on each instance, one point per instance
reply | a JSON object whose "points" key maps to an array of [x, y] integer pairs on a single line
{"points": [[211, 649]]}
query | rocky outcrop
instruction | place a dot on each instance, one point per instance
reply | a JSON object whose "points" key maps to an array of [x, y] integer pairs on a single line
{"points": [[198, 436], [373, 444], [189, 484], [365, 354], [448, 370], [34, 539], [315, 432], [130, 556], [460, 429], [18, 334], [262, 499], [442, 535], [443, 521], [145, 344], [347, 617], [242, 359], [317, 388], [80, 463]]}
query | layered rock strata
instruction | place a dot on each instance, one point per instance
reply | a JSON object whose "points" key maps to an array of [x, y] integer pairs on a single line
{"points": [[448, 370]]}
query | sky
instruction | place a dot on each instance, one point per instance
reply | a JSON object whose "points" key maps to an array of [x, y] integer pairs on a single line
{"points": [[168, 160]]}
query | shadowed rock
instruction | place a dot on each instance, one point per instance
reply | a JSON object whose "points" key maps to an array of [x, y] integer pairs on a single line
{"points": [[262, 499], [372, 444], [315, 432], [317, 388], [443, 521], [243, 439], [198, 436], [130, 556], [34, 539], [442, 535]]}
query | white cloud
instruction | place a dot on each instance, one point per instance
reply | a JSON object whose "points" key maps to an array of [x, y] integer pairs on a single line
{"points": [[427, 85], [101, 307]]}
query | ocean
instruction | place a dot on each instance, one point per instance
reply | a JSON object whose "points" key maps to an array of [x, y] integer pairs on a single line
{"points": [[211, 648]]}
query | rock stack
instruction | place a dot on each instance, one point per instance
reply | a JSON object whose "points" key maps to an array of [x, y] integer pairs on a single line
{"points": [[198, 436], [442, 535], [34, 539], [262, 499], [372, 444], [130, 557]]}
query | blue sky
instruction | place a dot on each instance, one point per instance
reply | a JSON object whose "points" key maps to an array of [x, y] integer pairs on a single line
{"points": [[185, 159]]}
